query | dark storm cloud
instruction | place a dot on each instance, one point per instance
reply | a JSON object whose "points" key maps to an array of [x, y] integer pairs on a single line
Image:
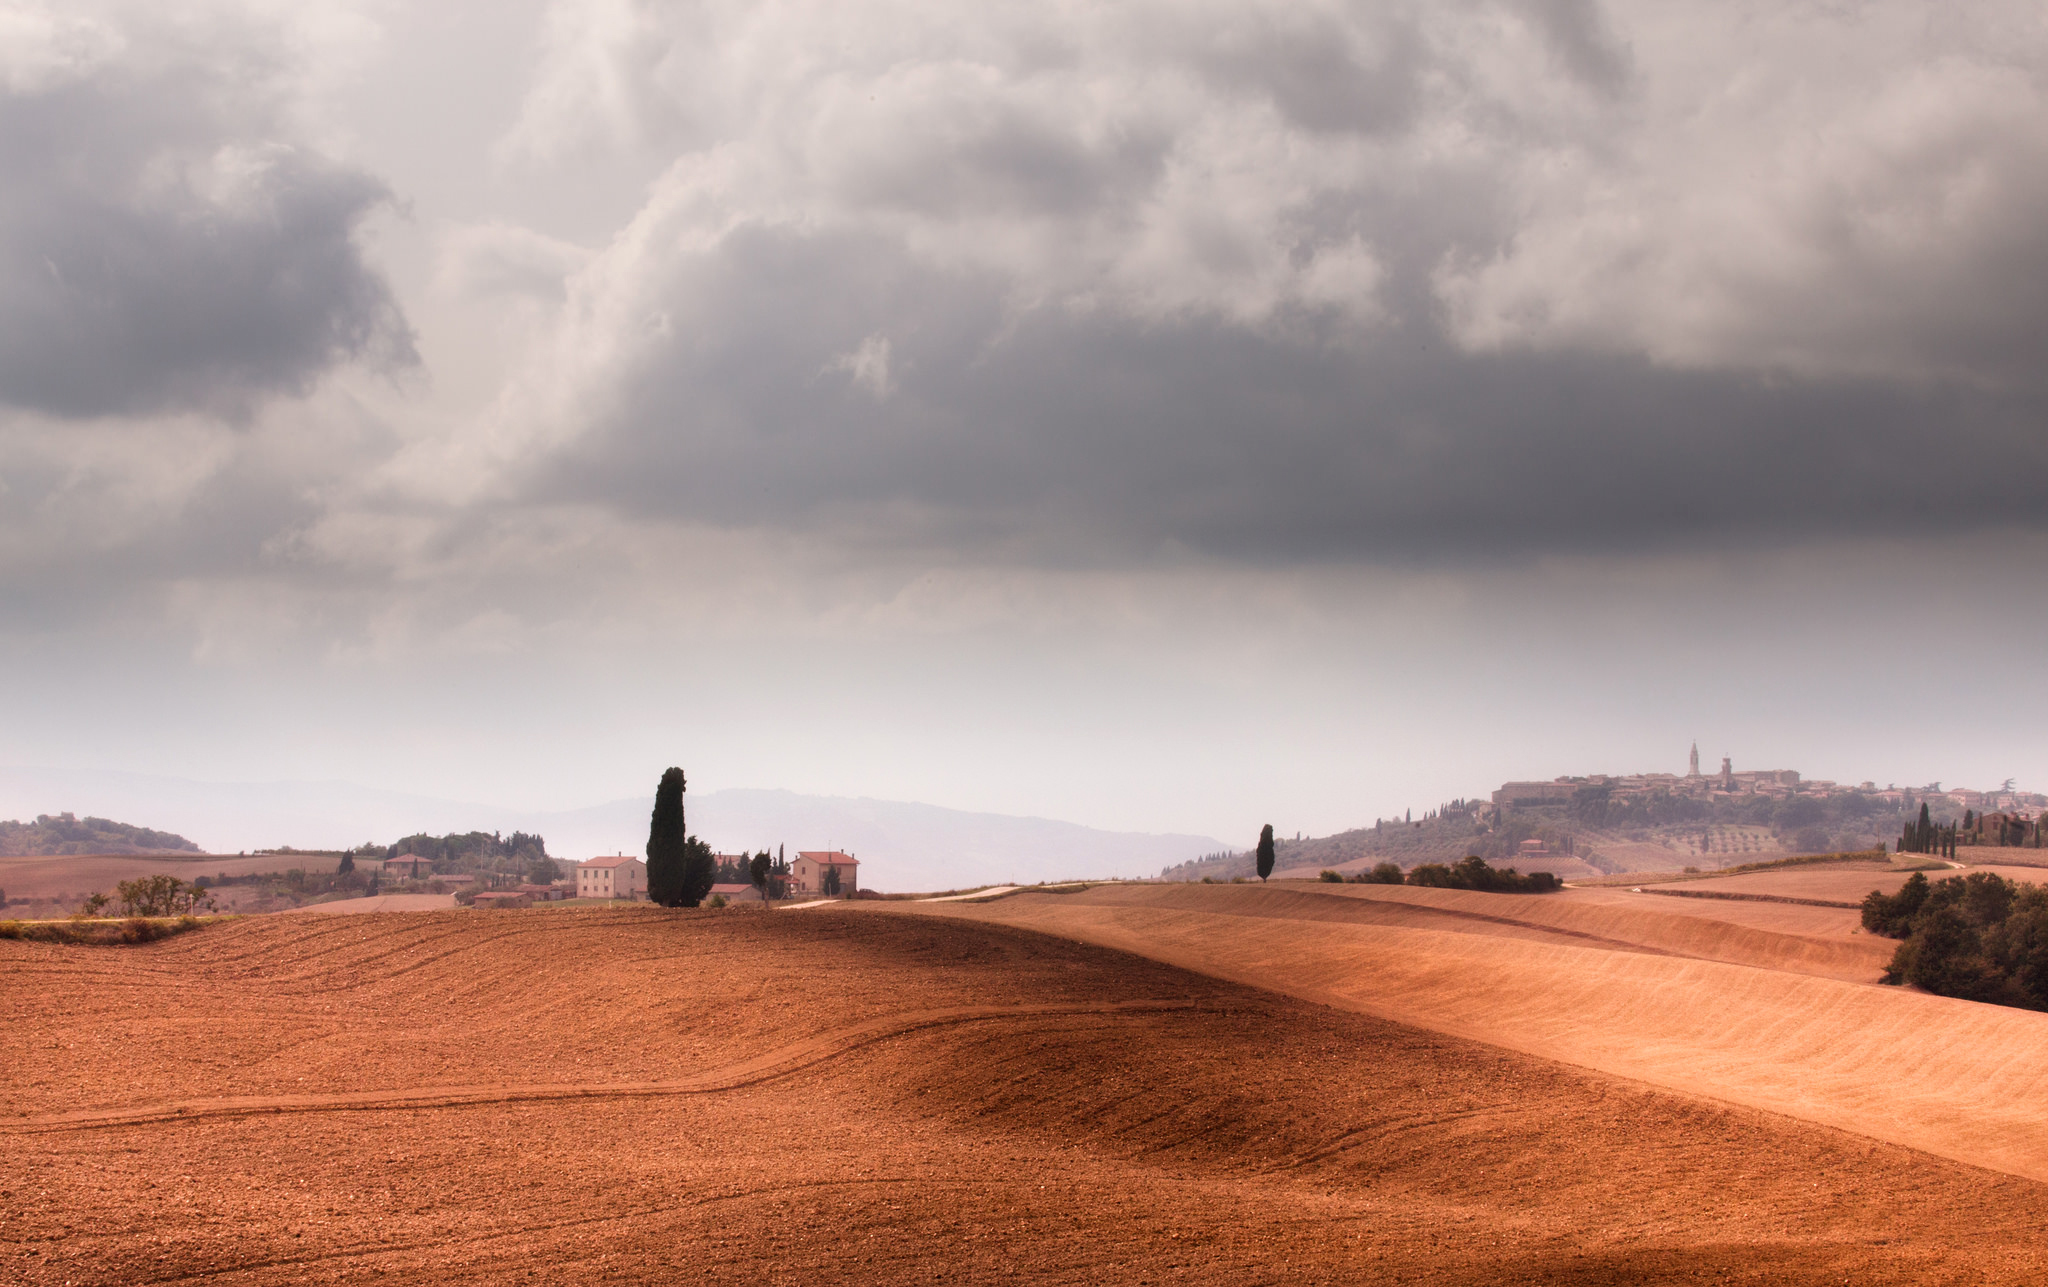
{"points": [[162, 249], [1338, 282], [1085, 437]]}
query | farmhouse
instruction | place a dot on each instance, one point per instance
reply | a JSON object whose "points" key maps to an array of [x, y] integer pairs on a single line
{"points": [[408, 867], [619, 877], [825, 871]]}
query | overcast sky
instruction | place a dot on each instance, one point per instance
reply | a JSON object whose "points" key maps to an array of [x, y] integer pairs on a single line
{"points": [[1159, 416]]}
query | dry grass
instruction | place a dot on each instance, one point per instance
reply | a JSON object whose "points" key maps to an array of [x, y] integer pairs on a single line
{"points": [[103, 932]]}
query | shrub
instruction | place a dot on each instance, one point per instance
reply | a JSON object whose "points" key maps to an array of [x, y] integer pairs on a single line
{"points": [[1386, 873], [1329, 877], [717, 900], [1430, 875], [99, 933]]}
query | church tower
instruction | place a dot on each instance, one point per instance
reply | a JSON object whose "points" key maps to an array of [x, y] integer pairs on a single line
{"points": [[1693, 769]]}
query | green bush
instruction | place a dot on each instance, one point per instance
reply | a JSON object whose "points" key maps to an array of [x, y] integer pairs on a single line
{"points": [[1386, 873], [1329, 877]]}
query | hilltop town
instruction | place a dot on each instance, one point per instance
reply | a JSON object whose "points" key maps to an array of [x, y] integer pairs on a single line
{"points": [[1601, 823]]}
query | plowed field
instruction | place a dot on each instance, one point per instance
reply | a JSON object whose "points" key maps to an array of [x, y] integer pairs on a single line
{"points": [[856, 1095], [1658, 989]]}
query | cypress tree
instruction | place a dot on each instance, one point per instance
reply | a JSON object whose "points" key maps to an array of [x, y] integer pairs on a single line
{"points": [[666, 842], [1926, 830], [1266, 851]]}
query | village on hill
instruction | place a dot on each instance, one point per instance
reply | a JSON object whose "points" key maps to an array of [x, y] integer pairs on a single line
{"points": [[1602, 824]]}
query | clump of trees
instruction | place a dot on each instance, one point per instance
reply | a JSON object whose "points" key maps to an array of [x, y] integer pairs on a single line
{"points": [[1386, 873], [1473, 872], [159, 895], [680, 867], [473, 851], [1979, 937]]}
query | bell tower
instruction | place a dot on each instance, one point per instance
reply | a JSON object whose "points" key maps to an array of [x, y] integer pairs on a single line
{"points": [[1693, 768]]}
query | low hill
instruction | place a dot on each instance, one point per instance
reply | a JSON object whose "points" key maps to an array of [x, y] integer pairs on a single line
{"points": [[58, 834], [1741, 999], [852, 1094]]}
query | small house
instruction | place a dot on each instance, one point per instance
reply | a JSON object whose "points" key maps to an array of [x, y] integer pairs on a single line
{"points": [[619, 877], [408, 867], [824, 872]]}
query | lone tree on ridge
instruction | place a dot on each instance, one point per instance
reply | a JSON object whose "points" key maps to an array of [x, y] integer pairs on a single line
{"points": [[667, 845], [1266, 851]]}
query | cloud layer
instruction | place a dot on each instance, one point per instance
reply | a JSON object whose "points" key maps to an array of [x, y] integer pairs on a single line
{"points": [[804, 365], [1333, 281], [165, 243]]}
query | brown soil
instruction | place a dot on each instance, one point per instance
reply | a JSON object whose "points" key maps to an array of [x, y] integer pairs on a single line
{"points": [[1681, 993], [858, 1095]]}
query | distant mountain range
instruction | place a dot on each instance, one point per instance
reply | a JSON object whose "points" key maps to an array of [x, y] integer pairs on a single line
{"points": [[901, 845]]}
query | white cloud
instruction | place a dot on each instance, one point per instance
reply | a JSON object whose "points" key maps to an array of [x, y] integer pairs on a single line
{"points": [[867, 366], [1796, 188]]}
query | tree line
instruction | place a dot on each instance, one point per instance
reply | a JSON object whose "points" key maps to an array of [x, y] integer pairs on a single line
{"points": [[1922, 836], [1469, 872]]}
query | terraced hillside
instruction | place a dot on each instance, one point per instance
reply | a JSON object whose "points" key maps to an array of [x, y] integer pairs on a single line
{"points": [[852, 1094]]}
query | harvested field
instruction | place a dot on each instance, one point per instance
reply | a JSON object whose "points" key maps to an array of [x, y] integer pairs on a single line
{"points": [[2002, 856], [54, 886], [1838, 883], [1657, 990], [868, 1093], [85, 873], [377, 903]]}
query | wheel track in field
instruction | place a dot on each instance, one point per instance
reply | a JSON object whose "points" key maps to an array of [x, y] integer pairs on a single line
{"points": [[734, 1076]]}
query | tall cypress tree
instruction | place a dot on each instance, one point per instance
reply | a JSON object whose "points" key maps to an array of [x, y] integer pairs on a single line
{"points": [[1266, 851], [666, 842], [1926, 831]]}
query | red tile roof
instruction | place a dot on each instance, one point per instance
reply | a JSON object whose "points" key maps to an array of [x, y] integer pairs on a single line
{"points": [[619, 861], [829, 857]]}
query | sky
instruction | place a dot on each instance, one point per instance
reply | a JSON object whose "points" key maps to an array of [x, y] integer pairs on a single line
{"points": [[1163, 417]]}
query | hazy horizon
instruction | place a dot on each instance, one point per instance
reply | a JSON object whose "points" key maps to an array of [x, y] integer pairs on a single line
{"points": [[1162, 419]]}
